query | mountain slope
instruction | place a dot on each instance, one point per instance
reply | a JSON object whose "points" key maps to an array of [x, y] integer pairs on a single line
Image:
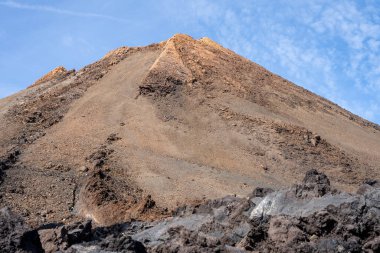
{"points": [[150, 128]]}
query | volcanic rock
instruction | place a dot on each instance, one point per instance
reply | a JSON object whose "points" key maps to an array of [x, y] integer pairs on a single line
{"points": [[171, 129]]}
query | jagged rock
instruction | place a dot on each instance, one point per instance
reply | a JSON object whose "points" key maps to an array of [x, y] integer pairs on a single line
{"points": [[15, 235], [373, 245], [122, 243], [100, 156], [80, 237], [12, 229], [261, 192], [270, 221], [314, 184], [61, 238]]}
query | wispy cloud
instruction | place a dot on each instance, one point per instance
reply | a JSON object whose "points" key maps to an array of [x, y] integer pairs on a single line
{"points": [[69, 40], [359, 31], [45, 8], [329, 47]]}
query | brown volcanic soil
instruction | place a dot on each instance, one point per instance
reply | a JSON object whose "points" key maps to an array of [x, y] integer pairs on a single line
{"points": [[180, 121]]}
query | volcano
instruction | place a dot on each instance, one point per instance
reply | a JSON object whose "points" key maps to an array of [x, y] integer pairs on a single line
{"points": [[147, 130]]}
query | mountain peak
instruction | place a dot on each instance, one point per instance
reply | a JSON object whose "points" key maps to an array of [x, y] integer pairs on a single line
{"points": [[180, 121], [181, 37]]}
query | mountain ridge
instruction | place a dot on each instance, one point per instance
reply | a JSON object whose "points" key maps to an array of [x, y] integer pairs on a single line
{"points": [[179, 121]]}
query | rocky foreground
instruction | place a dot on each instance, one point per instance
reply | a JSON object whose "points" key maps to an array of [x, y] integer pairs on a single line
{"points": [[308, 217]]}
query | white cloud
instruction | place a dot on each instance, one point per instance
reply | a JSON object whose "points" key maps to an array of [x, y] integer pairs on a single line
{"points": [[45, 8], [361, 35], [330, 47], [69, 40]]}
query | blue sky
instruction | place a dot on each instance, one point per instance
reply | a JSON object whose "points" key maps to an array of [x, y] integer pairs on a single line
{"points": [[329, 47]]}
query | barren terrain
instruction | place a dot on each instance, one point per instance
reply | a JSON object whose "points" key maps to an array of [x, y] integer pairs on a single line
{"points": [[148, 129]]}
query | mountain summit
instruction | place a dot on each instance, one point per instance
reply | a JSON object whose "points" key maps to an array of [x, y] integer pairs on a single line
{"points": [[147, 129]]}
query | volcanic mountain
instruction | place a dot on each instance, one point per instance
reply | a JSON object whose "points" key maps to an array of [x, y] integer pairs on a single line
{"points": [[147, 129]]}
